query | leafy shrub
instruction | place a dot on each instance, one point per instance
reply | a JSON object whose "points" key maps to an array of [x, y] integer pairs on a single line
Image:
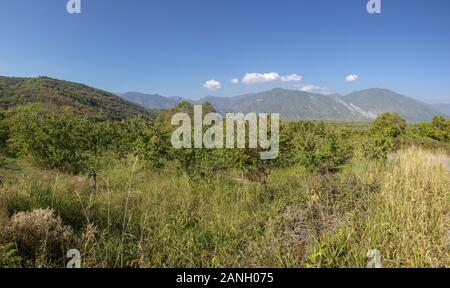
{"points": [[4, 130], [438, 129], [200, 165], [389, 125], [248, 162], [54, 139], [319, 148], [141, 137], [385, 135]]}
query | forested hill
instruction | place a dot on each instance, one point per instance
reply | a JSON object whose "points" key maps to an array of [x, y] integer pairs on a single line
{"points": [[82, 99]]}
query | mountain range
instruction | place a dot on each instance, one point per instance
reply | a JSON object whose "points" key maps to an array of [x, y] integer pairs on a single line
{"points": [[362, 105]]}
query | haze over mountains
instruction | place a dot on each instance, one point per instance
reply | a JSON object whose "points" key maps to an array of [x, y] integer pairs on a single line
{"points": [[443, 108], [362, 105], [153, 101]]}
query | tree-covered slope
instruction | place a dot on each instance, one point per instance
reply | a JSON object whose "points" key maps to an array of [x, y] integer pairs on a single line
{"points": [[82, 99]]}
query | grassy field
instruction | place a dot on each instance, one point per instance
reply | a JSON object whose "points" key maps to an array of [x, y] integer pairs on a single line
{"points": [[140, 217]]}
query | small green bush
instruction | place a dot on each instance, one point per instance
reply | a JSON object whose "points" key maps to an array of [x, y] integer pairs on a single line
{"points": [[385, 135], [438, 129], [319, 148]]}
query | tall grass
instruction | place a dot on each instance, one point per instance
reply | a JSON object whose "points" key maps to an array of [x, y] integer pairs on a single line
{"points": [[407, 220], [148, 218]]}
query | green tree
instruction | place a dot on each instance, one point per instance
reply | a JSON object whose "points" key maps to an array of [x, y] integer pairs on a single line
{"points": [[54, 139], [438, 129], [385, 135], [318, 147], [140, 136], [4, 129]]}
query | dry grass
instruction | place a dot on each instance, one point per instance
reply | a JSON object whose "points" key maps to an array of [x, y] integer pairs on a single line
{"points": [[3, 215], [407, 220], [39, 235]]}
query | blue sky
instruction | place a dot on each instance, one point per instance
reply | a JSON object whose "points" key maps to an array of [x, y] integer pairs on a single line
{"points": [[173, 47]]}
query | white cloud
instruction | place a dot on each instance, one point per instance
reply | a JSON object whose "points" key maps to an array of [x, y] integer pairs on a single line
{"points": [[234, 81], [293, 77], [212, 85], [351, 78], [255, 78], [314, 89]]}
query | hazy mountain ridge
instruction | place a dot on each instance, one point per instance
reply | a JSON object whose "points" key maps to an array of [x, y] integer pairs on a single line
{"points": [[290, 104], [443, 108], [362, 105], [151, 101]]}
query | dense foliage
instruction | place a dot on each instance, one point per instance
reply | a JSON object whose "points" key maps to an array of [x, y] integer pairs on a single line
{"points": [[385, 135], [438, 129], [315, 146]]}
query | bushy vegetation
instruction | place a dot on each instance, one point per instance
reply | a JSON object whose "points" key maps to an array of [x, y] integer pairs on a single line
{"points": [[335, 191], [385, 135], [316, 146], [54, 140], [438, 129]]}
